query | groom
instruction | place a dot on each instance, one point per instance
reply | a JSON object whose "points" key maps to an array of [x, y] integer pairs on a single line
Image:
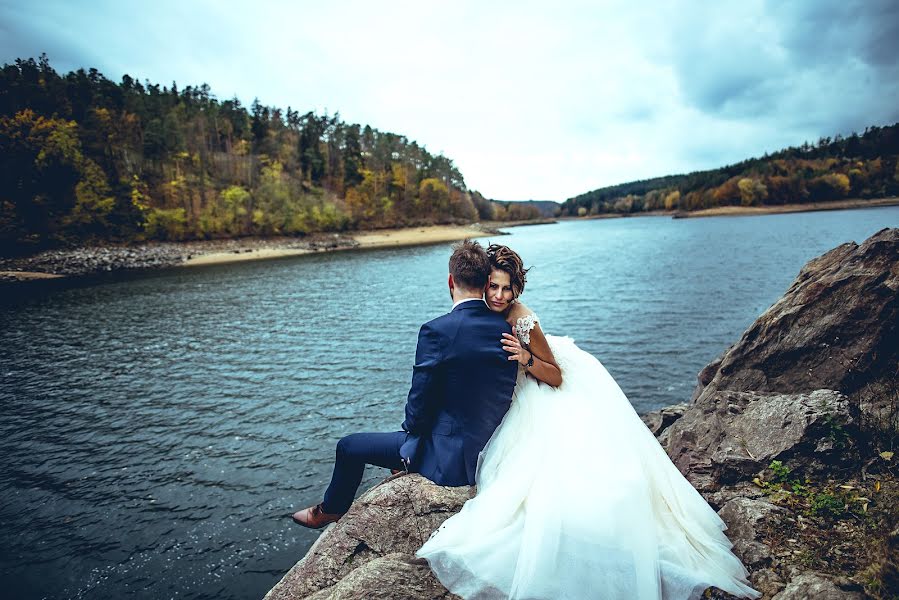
{"points": [[462, 386]]}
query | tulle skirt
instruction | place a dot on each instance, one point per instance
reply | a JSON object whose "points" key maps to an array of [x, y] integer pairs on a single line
{"points": [[577, 499]]}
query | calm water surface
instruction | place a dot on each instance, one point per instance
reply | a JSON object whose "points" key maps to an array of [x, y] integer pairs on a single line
{"points": [[158, 430]]}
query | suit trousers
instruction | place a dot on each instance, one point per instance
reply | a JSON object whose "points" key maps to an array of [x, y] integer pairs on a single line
{"points": [[353, 453]]}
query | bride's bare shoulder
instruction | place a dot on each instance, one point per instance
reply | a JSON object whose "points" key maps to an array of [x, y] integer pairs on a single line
{"points": [[517, 311]]}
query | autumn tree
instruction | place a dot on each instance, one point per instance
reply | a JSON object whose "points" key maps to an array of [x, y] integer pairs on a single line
{"points": [[50, 190], [86, 158], [752, 191]]}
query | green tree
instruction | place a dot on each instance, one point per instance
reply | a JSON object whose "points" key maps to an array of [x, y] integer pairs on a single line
{"points": [[486, 209], [368, 202], [672, 200], [752, 191], [166, 223], [831, 186], [51, 191], [93, 204], [352, 158], [433, 197], [274, 214]]}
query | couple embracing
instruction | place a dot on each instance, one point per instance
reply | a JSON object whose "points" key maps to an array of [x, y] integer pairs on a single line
{"points": [[575, 497]]}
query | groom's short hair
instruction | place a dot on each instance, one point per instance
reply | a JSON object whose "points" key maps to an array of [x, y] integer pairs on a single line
{"points": [[469, 265]]}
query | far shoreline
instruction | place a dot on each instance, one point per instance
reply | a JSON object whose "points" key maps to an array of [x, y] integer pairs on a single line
{"points": [[156, 255], [745, 211], [364, 240], [85, 261]]}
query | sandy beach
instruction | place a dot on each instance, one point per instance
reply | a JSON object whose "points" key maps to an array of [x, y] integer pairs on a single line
{"points": [[739, 211], [742, 211], [215, 258], [382, 238], [27, 275], [417, 236], [82, 261]]}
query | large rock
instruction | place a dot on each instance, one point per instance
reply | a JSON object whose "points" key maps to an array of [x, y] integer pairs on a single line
{"points": [[818, 586], [767, 582], [836, 327], [660, 420], [378, 536], [746, 519], [393, 577], [726, 437]]}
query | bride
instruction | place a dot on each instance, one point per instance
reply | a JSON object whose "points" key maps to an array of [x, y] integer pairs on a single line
{"points": [[576, 498]]}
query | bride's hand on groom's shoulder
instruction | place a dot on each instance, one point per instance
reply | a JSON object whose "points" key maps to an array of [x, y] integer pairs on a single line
{"points": [[515, 349], [536, 356]]}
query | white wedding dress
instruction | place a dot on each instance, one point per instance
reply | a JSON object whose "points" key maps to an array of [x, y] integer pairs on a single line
{"points": [[576, 499]]}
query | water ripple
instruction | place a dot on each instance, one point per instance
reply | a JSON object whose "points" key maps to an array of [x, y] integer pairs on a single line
{"points": [[158, 431]]}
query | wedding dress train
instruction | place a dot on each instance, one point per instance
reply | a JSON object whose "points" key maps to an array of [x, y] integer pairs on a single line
{"points": [[576, 499]]}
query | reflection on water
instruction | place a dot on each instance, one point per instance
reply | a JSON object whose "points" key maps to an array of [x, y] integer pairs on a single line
{"points": [[170, 422]]}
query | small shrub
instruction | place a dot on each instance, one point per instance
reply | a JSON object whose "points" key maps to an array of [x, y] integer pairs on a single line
{"points": [[781, 472], [166, 224], [827, 505]]}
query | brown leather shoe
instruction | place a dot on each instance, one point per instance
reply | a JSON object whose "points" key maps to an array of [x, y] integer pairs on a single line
{"points": [[314, 517]]}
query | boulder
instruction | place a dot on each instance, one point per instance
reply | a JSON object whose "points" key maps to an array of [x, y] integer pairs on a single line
{"points": [[766, 581], [836, 327], [705, 377], [746, 519], [659, 420], [727, 437], [380, 533], [392, 577], [818, 586]]}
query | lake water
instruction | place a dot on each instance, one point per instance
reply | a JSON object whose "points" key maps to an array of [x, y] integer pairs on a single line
{"points": [[157, 430]]}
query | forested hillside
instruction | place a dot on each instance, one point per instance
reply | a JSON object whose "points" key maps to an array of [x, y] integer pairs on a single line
{"points": [[858, 166], [87, 159], [527, 209]]}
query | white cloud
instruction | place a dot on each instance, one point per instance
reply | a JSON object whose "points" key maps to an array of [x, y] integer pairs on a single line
{"points": [[530, 99]]}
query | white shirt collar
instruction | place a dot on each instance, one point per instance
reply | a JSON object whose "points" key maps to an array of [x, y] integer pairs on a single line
{"points": [[466, 300]]}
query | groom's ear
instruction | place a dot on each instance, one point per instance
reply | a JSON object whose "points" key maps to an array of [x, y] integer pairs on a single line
{"points": [[450, 282]]}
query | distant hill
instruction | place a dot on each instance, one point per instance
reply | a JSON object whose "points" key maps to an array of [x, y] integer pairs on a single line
{"points": [[545, 209], [87, 160], [857, 166]]}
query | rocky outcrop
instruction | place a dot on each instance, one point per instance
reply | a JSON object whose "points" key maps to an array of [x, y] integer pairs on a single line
{"points": [[818, 586], [794, 388], [89, 260], [99, 259], [788, 390], [745, 518], [372, 548], [659, 420], [726, 436], [836, 327], [391, 577]]}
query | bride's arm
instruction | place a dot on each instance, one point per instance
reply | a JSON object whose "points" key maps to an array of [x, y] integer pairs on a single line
{"points": [[544, 365]]}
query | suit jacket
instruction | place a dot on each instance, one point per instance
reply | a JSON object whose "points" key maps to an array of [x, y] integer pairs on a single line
{"points": [[461, 389]]}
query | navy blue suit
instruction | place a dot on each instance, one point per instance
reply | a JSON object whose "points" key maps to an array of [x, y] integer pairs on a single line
{"points": [[462, 387]]}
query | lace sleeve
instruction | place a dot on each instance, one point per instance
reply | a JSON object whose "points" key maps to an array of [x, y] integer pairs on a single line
{"points": [[523, 327]]}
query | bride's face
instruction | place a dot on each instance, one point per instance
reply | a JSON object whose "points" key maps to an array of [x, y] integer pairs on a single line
{"points": [[499, 291]]}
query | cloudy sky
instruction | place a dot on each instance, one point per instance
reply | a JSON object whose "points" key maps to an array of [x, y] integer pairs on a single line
{"points": [[541, 100]]}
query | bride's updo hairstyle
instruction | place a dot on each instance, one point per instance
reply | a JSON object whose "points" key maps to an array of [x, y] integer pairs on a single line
{"points": [[503, 258]]}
